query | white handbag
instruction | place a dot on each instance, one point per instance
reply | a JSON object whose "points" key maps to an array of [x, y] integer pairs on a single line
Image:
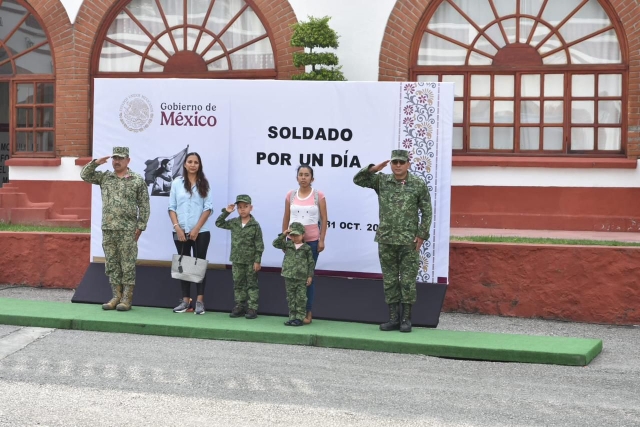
{"points": [[188, 268]]}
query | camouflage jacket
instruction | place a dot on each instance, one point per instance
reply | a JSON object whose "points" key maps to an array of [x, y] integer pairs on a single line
{"points": [[246, 242], [297, 263], [125, 201], [399, 204]]}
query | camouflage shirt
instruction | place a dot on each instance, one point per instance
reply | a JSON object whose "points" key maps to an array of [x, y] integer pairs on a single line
{"points": [[246, 242], [399, 203], [125, 201], [297, 263]]}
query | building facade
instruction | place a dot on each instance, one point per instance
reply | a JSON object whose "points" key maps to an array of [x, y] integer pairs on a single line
{"points": [[547, 102]]}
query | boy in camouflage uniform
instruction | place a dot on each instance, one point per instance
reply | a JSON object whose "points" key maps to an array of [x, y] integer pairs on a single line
{"points": [[401, 232], [246, 255], [125, 212], [297, 269]]}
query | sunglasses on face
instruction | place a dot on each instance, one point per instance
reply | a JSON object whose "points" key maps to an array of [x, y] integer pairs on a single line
{"points": [[398, 162]]}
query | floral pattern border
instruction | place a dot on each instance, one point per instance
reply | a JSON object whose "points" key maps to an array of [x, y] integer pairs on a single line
{"points": [[418, 135]]}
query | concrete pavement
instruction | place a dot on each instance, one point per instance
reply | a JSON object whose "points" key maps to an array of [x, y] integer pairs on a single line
{"points": [[87, 378]]}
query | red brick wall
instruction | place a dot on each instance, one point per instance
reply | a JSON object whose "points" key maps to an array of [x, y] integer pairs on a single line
{"points": [[395, 51], [73, 48], [280, 16], [405, 18], [576, 283], [51, 260]]}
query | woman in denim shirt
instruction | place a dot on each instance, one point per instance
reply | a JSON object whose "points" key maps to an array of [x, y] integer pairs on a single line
{"points": [[189, 208]]}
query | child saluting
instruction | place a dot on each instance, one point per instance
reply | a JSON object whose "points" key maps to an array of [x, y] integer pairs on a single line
{"points": [[246, 255], [297, 270]]}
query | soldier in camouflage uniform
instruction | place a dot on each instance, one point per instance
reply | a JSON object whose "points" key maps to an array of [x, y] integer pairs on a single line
{"points": [[125, 212], [297, 270], [246, 255], [400, 232]]}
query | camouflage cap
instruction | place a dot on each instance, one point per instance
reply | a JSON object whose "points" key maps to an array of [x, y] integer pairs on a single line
{"points": [[296, 228], [400, 155], [243, 198], [121, 152]]}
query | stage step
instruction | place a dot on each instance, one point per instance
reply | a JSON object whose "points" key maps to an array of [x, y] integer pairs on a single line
{"points": [[34, 215], [81, 213], [8, 190], [69, 223], [321, 333], [54, 215], [10, 200], [16, 208]]}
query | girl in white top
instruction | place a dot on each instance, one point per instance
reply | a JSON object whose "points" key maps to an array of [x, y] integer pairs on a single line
{"points": [[307, 206]]}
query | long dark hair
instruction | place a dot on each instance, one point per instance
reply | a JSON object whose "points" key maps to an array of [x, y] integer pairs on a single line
{"points": [[201, 180]]}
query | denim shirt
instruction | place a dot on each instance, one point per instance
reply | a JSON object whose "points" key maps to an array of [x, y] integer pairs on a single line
{"points": [[188, 207]]}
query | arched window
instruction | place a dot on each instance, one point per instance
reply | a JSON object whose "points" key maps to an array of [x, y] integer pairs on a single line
{"points": [[195, 38], [26, 83], [534, 77]]}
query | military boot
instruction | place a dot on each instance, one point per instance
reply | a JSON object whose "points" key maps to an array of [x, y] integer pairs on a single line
{"points": [[406, 318], [127, 296], [117, 296], [394, 322]]}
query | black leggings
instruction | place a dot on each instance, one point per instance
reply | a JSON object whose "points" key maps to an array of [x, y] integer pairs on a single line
{"points": [[200, 245]]}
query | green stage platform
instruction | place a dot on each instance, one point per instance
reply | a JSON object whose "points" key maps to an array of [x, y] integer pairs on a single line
{"points": [[321, 333]]}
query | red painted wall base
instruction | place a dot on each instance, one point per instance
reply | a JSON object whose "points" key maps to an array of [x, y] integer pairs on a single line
{"points": [[56, 260], [575, 283], [525, 208], [546, 208], [595, 284]]}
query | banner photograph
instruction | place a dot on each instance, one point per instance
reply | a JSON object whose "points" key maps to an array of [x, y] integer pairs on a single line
{"points": [[252, 136]]}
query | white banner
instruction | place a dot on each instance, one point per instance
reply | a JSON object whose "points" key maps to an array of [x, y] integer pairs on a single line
{"points": [[252, 135]]}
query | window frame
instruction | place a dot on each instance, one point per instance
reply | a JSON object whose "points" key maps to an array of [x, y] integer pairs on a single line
{"points": [[121, 5], [15, 78], [567, 70], [15, 130]]}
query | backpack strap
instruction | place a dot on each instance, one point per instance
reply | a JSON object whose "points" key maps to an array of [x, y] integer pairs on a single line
{"points": [[316, 197]]}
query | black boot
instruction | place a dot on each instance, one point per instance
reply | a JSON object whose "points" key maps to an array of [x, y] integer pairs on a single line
{"points": [[406, 318], [394, 322]]}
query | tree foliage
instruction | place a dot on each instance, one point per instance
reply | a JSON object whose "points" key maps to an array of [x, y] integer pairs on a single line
{"points": [[316, 34]]}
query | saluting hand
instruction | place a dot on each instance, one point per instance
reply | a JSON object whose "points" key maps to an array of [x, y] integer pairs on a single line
{"points": [[102, 160], [231, 208], [379, 166]]}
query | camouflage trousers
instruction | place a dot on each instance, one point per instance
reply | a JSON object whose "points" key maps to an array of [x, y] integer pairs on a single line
{"points": [[400, 265], [296, 298], [245, 285], [120, 252]]}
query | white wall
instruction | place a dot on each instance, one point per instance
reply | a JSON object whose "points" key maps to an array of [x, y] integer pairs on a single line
{"points": [[463, 176], [67, 171], [544, 177], [72, 7], [361, 25]]}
